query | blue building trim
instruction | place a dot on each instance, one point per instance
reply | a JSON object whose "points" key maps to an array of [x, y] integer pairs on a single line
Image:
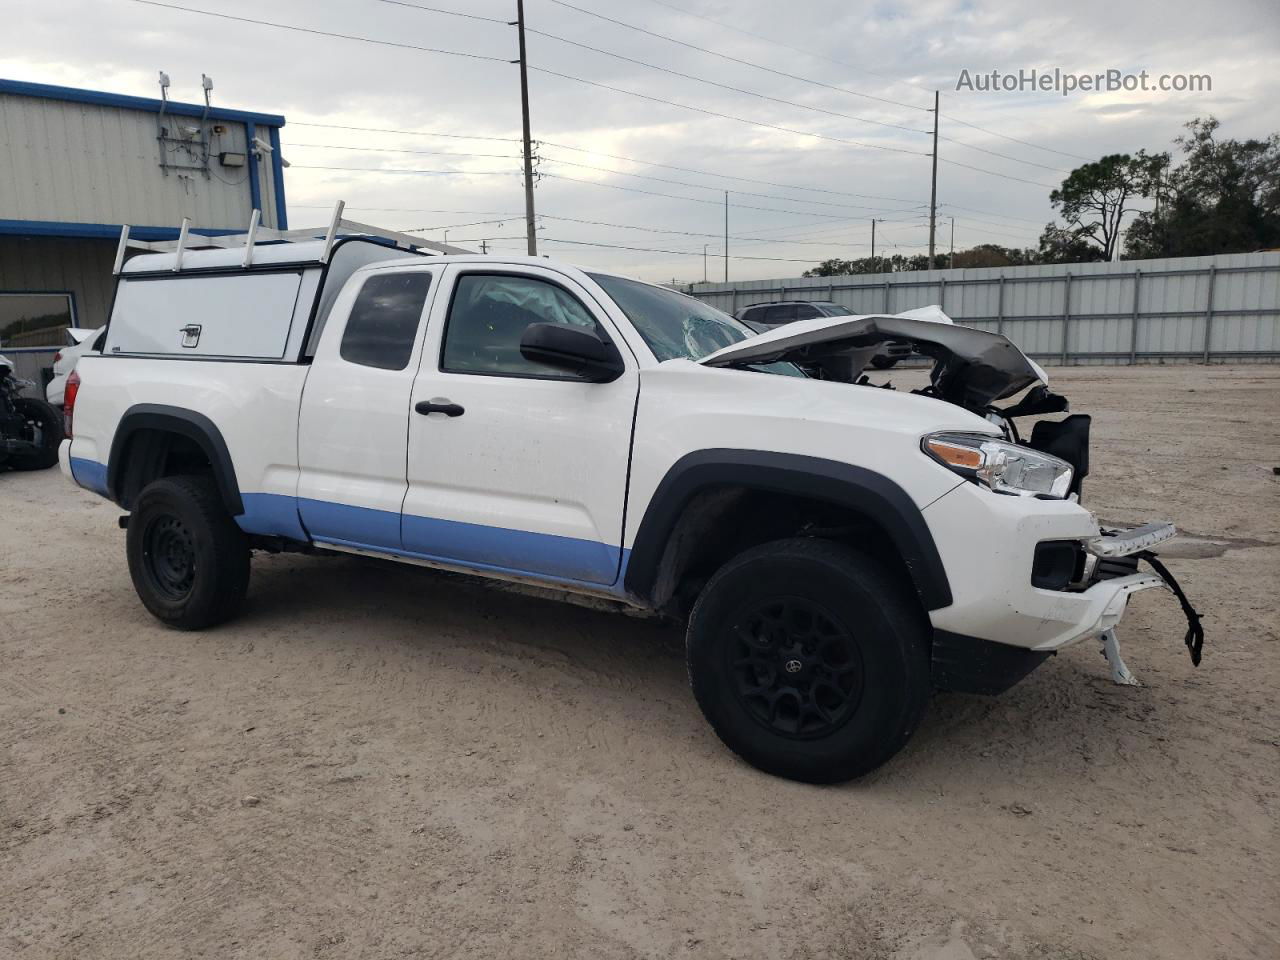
{"points": [[255, 185], [47, 91], [96, 231], [277, 179]]}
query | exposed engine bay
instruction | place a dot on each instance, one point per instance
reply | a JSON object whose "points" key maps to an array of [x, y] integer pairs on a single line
{"points": [[976, 369]]}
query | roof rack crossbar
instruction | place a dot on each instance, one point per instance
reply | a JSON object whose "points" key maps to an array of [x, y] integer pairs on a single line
{"points": [[189, 238]]}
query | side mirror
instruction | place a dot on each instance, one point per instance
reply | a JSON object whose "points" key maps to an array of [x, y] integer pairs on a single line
{"points": [[572, 349]]}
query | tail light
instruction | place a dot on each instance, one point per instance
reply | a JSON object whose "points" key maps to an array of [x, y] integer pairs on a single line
{"points": [[57, 358], [69, 401]]}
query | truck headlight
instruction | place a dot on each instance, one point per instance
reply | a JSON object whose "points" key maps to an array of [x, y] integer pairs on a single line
{"points": [[1004, 467]]}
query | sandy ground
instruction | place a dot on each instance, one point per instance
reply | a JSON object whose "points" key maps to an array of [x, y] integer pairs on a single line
{"points": [[444, 769]]}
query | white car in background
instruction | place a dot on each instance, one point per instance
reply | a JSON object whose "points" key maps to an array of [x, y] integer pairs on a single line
{"points": [[64, 361]]}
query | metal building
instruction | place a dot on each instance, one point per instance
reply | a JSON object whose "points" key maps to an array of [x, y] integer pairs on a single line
{"points": [[77, 164]]}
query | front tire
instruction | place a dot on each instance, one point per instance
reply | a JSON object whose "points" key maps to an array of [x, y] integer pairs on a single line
{"points": [[809, 660], [45, 425], [188, 559], [883, 363]]}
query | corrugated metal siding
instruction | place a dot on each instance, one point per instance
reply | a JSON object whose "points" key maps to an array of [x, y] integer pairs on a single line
{"points": [[81, 267], [1092, 304], [86, 163]]}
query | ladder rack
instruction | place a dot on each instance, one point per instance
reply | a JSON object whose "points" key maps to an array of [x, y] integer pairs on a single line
{"points": [[189, 240]]}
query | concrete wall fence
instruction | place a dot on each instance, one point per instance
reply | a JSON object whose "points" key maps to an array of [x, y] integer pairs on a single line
{"points": [[1223, 309]]}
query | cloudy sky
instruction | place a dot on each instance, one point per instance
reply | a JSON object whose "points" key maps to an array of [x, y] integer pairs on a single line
{"points": [[813, 114]]}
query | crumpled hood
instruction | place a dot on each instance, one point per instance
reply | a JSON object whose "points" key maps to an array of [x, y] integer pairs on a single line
{"points": [[972, 368]]}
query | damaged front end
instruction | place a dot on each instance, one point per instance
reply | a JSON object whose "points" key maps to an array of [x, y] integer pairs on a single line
{"points": [[1074, 585]]}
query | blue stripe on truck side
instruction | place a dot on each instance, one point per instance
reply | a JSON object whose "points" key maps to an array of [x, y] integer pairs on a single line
{"points": [[89, 474], [497, 549], [271, 514], [567, 558], [541, 556]]}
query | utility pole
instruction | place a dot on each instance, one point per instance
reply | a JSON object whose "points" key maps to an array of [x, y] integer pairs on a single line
{"points": [[704, 262], [933, 189], [951, 263], [531, 228], [484, 246], [874, 221], [726, 236]]}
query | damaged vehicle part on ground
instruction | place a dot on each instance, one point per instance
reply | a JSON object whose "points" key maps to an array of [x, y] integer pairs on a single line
{"points": [[30, 429]]}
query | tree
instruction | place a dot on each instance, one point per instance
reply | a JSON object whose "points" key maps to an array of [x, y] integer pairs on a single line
{"points": [[1062, 245], [1093, 201], [1223, 198], [983, 255], [894, 264], [994, 255]]}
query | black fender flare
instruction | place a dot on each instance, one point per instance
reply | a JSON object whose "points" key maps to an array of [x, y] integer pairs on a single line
{"points": [[843, 484], [186, 423]]}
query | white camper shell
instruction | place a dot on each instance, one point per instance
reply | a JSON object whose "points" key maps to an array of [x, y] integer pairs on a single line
{"points": [[259, 296]]}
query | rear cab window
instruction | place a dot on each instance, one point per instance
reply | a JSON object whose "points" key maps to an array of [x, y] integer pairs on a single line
{"points": [[383, 323]]}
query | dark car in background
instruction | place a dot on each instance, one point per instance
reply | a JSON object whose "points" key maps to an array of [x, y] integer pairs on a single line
{"points": [[762, 317]]}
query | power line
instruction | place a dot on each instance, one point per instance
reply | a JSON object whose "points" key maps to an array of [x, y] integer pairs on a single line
{"points": [[715, 113], [448, 13], [565, 146], [478, 213], [1005, 136], [863, 69], [489, 59], [407, 133], [726, 176], [586, 166], [689, 233], [611, 156], [458, 226], [715, 83], [679, 253], [991, 213], [741, 193], [672, 196], [413, 170], [1002, 156], [774, 126], [423, 153], [748, 63], [1006, 176], [789, 103], [325, 33]]}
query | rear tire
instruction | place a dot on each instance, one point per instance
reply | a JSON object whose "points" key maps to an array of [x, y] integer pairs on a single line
{"points": [[188, 559], [48, 423], [809, 660]]}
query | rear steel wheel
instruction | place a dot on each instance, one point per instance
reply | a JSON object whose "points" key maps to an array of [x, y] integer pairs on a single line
{"points": [[169, 557], [188, 559]]}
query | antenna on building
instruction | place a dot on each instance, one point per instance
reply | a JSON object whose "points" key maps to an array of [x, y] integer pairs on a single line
{"points": [[206, 82], [164, 102]]}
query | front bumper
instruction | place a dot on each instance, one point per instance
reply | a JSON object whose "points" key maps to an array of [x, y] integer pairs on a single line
{"points": [[987, 543]]}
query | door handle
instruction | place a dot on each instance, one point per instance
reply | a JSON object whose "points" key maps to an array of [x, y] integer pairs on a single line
{"points": [[447, 407]]}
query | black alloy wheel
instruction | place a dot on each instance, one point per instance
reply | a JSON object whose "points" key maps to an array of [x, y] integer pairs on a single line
{"points": [[795, 667]]}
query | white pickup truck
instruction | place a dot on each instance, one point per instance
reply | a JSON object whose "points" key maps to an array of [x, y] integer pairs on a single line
{"points": [[837, 550]]}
